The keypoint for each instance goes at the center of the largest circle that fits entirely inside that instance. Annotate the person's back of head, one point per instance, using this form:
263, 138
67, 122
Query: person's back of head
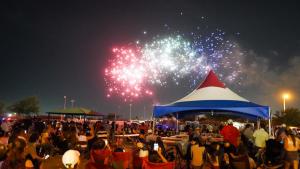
154, 157
263, 126
119, 149
2, 133
248, 126
99, 144
33, 138
197, 141
290, 134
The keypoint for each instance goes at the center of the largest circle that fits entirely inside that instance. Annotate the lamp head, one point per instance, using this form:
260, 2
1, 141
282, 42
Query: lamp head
285, 96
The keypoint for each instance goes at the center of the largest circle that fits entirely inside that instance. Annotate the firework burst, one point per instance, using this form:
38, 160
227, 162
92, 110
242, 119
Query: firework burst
133, 71
126, 74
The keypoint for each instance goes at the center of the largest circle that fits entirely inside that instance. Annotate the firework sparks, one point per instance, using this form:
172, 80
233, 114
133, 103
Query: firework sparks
134, 70
126, 74
170, 57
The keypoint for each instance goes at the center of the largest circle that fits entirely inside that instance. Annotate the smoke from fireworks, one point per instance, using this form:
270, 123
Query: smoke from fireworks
134, 70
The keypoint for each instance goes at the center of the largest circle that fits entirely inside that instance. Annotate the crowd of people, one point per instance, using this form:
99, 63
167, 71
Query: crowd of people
29, 143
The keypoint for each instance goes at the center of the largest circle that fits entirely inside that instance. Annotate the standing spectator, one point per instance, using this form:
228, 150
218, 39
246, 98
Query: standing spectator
291, 146
260, 137
230, 133
248, 132
197, 132
197, 152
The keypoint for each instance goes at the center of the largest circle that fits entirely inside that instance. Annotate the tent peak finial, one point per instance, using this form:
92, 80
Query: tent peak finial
211, 80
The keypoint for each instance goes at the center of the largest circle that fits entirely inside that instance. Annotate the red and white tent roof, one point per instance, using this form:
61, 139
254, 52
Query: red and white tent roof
212, 89
212, 95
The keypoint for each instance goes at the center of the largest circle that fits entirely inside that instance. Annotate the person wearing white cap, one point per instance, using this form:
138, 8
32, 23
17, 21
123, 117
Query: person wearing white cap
71, 159
151, 136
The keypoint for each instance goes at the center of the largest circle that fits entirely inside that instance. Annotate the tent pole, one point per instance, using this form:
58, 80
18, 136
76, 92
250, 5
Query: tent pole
258, 123
153, 123
177, 131
270, 117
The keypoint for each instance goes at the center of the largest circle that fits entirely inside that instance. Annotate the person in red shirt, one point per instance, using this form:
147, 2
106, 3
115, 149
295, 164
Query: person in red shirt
230, 133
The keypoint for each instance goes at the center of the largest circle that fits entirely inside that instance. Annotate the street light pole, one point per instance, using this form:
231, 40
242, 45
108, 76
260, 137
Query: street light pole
144, 112
72, 102
65, 101
283, 104
130, 111
285, 96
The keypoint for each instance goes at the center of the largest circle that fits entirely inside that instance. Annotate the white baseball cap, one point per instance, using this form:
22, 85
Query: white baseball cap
229, 121
70, 158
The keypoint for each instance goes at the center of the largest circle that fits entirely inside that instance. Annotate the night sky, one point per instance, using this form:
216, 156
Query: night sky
52, 49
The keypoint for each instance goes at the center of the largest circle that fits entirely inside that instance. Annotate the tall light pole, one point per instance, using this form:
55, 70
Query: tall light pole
130, 111
144, 112
285, 97
65, 101
72, 102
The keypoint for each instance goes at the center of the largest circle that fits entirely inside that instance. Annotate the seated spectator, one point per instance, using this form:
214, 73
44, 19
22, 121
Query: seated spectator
3, 153
162, 146
157, 156
140, 153
70, 159
121, 159
3, 138
29, 163
30, 149
15, 157
99, 156
82, 140
143, 152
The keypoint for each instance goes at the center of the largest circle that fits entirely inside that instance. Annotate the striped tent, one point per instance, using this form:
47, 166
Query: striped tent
212, 96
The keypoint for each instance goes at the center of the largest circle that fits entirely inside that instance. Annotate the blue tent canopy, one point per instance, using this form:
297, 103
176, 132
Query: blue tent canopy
227, 107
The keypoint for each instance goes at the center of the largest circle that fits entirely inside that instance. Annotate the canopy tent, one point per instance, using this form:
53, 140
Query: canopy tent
212, 96
77, 111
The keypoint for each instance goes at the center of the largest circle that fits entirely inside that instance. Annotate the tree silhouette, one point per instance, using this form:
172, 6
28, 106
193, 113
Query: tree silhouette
2, 107
290, 117
26, 106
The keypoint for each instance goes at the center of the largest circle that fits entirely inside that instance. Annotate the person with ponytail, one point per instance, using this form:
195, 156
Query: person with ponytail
291, 146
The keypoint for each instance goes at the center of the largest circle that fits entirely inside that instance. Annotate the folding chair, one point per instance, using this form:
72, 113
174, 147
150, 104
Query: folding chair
121, 160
